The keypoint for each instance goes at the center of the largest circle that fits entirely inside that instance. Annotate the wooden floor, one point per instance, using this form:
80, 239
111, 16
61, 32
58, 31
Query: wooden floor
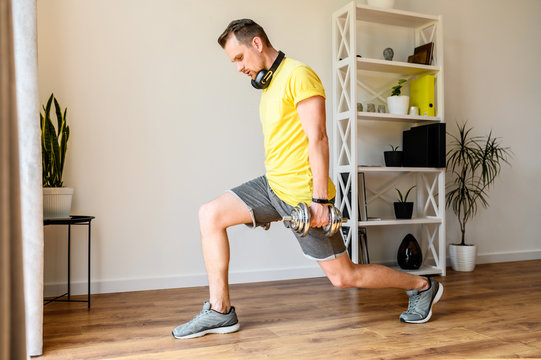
494, 312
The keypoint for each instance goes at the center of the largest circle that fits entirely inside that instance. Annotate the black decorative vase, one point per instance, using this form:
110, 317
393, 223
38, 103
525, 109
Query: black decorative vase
403, 210
409, 254
393, 158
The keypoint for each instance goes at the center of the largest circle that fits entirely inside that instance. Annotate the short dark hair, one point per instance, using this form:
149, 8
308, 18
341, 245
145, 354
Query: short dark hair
244, 30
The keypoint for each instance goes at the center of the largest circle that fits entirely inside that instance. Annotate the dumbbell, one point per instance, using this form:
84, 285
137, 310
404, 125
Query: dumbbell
299, 220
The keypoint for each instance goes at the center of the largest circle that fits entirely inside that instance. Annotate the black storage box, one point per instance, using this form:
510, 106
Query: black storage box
424, 146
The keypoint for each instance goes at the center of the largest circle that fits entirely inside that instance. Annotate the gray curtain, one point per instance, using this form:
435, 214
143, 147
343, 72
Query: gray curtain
12, 306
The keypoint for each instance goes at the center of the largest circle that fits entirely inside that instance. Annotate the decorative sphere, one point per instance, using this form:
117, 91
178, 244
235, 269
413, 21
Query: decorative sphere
388, 54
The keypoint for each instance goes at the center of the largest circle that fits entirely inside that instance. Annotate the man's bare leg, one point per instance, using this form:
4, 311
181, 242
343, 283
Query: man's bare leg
214, 218
217, 315
343, 273
422, 292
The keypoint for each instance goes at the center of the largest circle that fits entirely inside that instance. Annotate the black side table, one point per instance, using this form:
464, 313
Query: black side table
72, 220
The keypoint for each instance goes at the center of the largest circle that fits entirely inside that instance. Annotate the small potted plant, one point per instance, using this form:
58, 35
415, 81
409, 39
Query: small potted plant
402, 208
398, 104
473, 163
394, 157
54, 145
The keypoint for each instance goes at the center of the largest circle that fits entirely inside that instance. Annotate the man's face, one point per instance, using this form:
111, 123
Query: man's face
249, 59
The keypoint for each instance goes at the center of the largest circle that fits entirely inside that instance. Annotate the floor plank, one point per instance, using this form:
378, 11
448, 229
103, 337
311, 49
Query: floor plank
493, 312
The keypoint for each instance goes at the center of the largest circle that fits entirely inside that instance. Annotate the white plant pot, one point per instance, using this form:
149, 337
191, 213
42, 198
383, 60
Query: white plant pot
398, 105
57, 202
383, 4
463, 257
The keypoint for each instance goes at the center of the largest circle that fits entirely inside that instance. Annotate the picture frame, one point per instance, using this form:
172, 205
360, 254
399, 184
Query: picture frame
422, 54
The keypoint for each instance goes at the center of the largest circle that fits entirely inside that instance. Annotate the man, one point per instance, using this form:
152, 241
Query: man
292, 111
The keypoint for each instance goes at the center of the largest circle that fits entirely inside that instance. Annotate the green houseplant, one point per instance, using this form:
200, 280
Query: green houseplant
397, 103
402, 208
395, 91
54, 145
473, 162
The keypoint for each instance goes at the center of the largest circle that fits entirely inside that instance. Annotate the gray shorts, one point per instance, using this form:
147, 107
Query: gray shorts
265, 207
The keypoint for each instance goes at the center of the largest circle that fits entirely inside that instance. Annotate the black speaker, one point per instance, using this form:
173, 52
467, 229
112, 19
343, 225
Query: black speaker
424, 146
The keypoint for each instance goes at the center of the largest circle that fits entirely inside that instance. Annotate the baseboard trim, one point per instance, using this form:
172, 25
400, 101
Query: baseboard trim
181, 281
239, 277
497, 257
487, 258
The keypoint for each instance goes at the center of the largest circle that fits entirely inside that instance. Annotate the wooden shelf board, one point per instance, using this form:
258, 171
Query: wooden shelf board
396, 67
364, 115
423, 270
399, 169
387, 222
393, 17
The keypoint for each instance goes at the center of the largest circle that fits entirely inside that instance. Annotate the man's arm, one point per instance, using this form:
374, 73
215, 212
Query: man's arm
312, 115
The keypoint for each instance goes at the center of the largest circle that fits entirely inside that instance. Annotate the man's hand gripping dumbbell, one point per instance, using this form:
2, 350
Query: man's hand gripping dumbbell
299, 220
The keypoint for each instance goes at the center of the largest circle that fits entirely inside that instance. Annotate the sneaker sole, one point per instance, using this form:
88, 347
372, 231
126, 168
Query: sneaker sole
434, 301
220, 330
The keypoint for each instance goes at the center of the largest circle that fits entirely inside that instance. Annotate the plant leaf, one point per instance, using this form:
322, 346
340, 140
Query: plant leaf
55, 155
48, 107
64, 148
400, 198
406, 197
59, 119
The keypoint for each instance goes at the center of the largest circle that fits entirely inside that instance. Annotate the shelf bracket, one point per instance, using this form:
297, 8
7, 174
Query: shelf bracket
430, 191
343, 27
431, 238
345, 93
343, 142
345, 189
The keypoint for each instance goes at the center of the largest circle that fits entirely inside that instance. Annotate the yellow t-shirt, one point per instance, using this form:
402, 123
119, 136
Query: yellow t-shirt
286, 144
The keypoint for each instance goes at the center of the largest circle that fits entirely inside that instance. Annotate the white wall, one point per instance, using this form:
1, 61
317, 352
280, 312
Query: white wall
161, 122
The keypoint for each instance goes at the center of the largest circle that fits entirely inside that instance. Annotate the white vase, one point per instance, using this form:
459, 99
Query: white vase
383, 4
463, 257
398, 105
57, 202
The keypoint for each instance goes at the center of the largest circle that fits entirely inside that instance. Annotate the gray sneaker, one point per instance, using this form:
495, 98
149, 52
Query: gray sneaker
420, 304
208, 322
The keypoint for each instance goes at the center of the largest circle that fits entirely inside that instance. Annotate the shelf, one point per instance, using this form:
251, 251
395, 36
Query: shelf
396, 67
393, 17
373, 116
368, 79
399, 169
377, 168
364, 115
423, 270
387, 222
389, 66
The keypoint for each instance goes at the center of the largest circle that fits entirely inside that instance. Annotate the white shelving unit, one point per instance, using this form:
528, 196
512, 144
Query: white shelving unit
353, 77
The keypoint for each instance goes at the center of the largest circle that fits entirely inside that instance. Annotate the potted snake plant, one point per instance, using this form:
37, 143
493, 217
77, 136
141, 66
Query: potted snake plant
394, 157
54, 144
473, 163
403, 209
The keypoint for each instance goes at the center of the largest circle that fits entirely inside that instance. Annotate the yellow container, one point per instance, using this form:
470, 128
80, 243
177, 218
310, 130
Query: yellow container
422, 95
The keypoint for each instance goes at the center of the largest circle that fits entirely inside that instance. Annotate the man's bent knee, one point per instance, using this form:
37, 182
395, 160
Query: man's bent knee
340, 281
209, 215
342, 272
223, 212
